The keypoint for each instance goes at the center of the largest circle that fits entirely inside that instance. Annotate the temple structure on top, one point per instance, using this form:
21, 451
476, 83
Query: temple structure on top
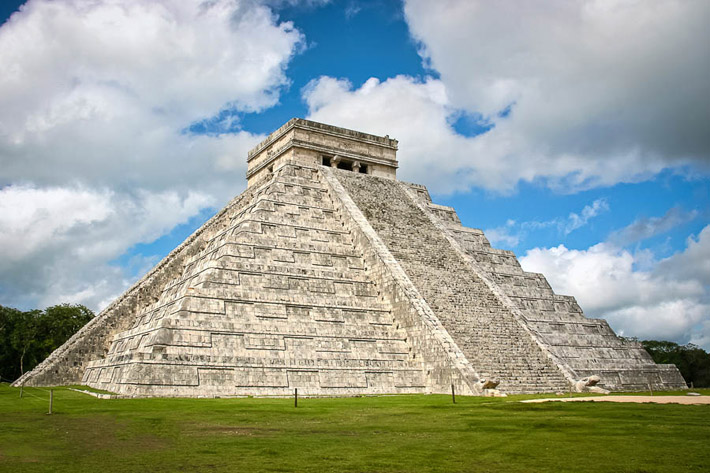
312, 143
329, 275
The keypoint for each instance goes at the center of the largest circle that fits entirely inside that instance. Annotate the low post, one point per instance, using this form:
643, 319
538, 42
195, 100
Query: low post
295, 398
650, 388
453, 393
51, 400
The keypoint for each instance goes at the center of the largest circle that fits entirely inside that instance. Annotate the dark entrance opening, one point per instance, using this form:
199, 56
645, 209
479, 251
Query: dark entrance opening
347, 165
363, 169
326, 161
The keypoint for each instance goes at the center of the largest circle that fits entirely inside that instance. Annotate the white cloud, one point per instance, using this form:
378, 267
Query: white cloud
55, 243
506, 235
694, 262
600, 92
94, 100
668, 300
678, 319
31, 217
100, 91
576, 221
415, 113
513, 232
610, 89
352, 9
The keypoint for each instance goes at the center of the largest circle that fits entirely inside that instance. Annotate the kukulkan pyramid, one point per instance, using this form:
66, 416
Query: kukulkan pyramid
329, 275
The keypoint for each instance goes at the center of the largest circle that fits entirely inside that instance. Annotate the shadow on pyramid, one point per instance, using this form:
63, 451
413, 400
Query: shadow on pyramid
329, 276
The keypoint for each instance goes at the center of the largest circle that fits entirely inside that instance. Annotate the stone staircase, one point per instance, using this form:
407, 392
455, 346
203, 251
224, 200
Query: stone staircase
585, 346
483, 328
278, 299
336, 281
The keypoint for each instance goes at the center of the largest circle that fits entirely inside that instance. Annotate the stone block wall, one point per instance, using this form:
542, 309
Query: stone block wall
280, 298
486, 331
583, 346
67, 364
339, 283
444, 362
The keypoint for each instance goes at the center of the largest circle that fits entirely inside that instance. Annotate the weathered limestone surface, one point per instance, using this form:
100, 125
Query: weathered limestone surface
67, 364
490, 337
330, 276
278, 299
444, 361
583, 347
309, 143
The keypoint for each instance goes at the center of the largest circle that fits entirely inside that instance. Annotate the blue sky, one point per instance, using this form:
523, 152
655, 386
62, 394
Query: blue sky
589, 162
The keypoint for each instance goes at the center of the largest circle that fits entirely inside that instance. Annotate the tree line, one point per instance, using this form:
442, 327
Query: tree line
28, 337
692, 361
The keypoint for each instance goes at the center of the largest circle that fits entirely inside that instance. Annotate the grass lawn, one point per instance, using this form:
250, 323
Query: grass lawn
383, 434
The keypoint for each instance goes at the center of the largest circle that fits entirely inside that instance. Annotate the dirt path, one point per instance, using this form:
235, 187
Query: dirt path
636, 399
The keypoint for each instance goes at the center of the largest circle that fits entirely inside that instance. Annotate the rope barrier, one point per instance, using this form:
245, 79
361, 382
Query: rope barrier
31, 391
27, 393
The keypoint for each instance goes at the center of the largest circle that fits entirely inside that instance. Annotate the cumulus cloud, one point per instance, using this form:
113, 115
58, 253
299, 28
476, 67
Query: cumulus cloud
31, 217
694, 262
55, 242
576, 94
100, 91
610, 90
96, 103
667, 300
416, 113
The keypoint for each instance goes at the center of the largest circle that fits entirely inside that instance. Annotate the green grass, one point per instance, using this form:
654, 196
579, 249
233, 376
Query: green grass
383, 434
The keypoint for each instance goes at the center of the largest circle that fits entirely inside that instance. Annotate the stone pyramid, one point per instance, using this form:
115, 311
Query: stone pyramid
330, 276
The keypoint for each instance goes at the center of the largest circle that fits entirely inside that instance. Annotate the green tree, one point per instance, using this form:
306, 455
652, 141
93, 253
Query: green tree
23, 338
26, 338
692, 361
58, 323
9, 317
